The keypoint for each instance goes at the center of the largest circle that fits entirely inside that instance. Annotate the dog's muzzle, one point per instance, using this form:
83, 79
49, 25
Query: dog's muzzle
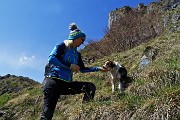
104, 67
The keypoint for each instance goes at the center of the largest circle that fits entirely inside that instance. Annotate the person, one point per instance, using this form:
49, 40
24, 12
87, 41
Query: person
66, 60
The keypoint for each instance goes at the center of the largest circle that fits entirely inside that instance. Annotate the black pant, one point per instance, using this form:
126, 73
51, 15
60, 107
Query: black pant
53, 88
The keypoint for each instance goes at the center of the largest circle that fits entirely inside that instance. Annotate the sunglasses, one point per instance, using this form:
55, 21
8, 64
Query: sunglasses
83, 39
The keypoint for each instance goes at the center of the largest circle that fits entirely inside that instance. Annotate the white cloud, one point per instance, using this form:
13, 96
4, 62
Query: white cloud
20, 61
22, 65
30, 62
25, 60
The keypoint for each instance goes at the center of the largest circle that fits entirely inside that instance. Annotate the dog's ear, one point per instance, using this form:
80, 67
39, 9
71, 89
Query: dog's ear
112, 64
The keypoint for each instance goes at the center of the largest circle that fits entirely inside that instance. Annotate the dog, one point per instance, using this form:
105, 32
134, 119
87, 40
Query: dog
118, 75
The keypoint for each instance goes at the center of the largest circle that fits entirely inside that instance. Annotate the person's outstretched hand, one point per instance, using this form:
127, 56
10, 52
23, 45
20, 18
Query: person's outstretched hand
102, 69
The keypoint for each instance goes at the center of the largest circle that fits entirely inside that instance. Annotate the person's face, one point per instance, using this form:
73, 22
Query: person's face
78, 41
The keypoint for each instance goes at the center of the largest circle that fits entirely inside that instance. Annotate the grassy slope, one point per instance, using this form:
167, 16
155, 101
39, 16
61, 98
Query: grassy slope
151, 95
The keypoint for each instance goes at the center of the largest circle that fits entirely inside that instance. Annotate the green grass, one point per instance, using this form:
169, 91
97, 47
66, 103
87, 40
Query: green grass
150, 94
35, 91
4, 99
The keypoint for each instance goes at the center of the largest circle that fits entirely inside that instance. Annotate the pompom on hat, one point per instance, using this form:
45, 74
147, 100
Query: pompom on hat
75, 32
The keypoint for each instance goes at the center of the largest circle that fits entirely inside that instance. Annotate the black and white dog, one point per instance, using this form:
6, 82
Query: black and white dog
118, 74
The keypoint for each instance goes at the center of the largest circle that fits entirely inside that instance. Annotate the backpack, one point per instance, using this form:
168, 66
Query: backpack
49, 66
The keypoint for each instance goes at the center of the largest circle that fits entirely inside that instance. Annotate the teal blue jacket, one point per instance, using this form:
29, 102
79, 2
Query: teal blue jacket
61, 59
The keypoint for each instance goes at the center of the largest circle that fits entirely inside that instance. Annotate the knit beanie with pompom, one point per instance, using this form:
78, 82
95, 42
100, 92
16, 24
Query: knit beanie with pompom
75, 32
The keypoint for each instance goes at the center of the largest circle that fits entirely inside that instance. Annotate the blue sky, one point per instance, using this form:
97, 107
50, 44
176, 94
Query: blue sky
29, 29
